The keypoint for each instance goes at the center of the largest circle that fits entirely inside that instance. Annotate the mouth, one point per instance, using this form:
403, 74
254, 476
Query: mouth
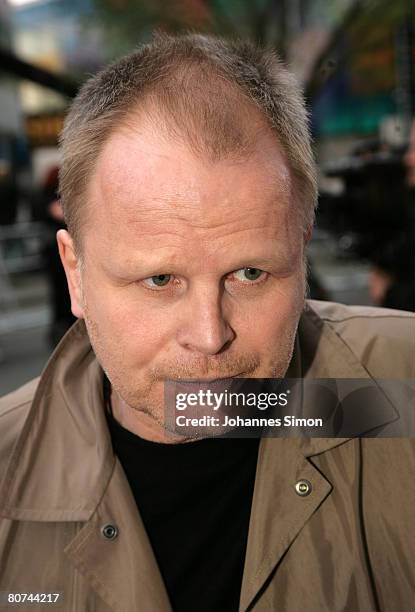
212, 380
221, 378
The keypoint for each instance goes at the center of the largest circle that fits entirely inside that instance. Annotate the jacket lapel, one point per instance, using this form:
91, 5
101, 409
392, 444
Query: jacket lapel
123, 571
65, 450
278, 513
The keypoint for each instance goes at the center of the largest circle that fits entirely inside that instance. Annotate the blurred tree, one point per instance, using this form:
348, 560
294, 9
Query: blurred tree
359, 32
370, 27
129, 22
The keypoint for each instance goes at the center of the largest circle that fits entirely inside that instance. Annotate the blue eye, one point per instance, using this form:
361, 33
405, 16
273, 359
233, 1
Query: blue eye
160, 280
249, 274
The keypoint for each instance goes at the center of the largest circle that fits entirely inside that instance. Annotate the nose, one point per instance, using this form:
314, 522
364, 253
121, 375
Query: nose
204, 327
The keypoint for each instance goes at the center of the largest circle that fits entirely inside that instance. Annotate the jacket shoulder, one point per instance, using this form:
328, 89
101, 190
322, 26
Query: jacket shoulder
14, 409
382, 339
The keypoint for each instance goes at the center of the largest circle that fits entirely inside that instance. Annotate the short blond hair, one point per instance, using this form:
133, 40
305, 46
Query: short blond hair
206, 88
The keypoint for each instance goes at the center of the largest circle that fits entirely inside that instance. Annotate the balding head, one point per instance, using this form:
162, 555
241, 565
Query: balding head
217, 97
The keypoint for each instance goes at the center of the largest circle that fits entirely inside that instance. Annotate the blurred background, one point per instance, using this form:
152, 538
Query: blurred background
356, 62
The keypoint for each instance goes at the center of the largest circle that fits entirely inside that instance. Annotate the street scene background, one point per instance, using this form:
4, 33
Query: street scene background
355, 61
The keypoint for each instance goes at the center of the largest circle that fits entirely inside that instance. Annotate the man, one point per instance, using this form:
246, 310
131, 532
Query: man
188, 187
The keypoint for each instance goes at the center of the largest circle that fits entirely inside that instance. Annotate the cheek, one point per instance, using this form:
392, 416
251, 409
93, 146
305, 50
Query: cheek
135, 331
278, 314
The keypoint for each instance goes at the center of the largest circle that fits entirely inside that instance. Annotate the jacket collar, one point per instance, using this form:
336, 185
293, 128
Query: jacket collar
322, 354
65, 450
63, 459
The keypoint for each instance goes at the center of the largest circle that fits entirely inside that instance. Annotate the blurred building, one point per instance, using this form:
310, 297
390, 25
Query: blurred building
60, 36
12, 157
364, 87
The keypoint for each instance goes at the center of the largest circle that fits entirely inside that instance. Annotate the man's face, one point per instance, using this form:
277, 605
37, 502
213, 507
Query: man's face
191, 269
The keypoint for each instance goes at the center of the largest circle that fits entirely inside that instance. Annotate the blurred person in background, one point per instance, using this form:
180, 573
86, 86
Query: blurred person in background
189, 188
392, 277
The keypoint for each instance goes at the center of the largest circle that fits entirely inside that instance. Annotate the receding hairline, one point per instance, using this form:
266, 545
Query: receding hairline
126, 206
150, 113
225, 76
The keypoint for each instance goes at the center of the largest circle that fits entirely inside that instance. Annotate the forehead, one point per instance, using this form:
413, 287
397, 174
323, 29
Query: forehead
146, 186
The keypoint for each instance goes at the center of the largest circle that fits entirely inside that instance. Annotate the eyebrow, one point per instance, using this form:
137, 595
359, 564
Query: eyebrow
265, 261
166, 265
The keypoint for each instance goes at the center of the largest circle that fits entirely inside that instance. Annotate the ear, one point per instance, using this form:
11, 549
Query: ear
70, 263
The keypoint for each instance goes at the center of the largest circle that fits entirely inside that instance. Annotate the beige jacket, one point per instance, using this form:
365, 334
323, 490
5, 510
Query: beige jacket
347, 546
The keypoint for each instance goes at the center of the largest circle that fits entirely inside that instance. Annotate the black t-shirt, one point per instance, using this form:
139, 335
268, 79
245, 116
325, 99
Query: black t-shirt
195, 501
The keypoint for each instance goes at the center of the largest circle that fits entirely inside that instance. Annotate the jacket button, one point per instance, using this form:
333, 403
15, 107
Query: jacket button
109, 532
303, 488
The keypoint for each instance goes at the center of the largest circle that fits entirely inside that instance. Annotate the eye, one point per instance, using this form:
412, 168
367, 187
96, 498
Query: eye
160, 280
248, 274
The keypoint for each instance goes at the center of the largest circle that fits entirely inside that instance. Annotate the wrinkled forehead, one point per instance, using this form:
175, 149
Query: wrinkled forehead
145, 182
